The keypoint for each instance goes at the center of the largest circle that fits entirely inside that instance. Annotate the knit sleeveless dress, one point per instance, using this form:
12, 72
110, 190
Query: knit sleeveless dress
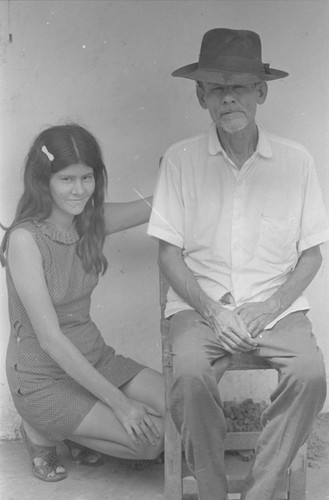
43, 394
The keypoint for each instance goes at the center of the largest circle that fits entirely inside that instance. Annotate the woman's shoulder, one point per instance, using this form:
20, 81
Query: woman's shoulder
22, 241
43, 228
27, 225
23, 230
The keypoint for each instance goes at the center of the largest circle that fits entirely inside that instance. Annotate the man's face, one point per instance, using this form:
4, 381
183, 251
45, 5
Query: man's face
232, 107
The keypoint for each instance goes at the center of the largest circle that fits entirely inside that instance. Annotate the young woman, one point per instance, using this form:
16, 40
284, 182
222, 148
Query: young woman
66, 383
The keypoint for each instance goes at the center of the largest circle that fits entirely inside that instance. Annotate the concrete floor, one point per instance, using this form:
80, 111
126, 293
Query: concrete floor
116, 480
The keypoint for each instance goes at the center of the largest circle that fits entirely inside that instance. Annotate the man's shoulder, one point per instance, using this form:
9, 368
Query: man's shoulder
189, 144
277, 141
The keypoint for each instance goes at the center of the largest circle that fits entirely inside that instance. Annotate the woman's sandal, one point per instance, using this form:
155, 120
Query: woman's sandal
82, 455
48, 469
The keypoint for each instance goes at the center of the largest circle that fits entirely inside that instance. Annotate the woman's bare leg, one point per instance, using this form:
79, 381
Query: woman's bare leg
37, 437
101, 430
38, 443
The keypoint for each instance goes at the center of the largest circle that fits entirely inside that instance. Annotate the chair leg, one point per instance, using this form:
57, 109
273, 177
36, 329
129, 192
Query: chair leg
173, 484
297, 479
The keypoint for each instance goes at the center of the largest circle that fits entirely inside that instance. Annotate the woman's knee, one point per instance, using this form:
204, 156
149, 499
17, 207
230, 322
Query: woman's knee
150, 452
148, 388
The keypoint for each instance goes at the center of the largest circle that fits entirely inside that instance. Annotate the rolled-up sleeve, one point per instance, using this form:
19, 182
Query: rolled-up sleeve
314, 229
167, 217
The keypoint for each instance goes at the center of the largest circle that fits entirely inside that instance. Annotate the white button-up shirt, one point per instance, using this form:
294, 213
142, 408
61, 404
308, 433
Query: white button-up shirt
241, 230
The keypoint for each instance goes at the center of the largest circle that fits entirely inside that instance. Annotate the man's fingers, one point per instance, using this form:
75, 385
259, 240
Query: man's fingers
256, 328
243, 327
233, 343
246, 333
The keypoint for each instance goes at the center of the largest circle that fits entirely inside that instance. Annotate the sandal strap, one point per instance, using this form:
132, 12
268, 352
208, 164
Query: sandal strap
84, 453
48, 453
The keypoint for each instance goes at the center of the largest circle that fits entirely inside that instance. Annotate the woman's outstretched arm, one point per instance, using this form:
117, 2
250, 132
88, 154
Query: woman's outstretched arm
120, 216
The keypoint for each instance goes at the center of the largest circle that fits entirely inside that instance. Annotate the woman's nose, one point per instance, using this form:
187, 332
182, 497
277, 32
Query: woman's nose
78, 187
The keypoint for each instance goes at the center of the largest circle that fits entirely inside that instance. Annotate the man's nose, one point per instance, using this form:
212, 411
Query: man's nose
228, 96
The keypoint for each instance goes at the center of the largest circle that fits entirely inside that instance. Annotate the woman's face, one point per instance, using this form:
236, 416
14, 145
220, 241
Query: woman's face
71, 189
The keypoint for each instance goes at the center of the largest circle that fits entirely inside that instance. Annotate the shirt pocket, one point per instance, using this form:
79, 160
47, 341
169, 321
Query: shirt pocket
278, 241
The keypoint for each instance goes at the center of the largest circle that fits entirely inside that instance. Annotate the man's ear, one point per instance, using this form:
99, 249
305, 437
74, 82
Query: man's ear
200, 94
262, 92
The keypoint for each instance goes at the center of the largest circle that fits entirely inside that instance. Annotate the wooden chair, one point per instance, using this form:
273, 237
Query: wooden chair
293, 486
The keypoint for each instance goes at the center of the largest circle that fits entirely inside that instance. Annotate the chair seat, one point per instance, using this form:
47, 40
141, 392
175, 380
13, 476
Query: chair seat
247, 361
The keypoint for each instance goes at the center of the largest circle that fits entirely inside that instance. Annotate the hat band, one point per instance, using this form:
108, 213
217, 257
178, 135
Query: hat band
232, 63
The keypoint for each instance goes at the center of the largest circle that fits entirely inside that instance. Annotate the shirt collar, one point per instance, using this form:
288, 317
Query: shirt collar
263, 145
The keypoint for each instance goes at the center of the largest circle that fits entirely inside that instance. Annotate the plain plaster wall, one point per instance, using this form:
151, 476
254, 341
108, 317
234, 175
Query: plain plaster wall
107, 65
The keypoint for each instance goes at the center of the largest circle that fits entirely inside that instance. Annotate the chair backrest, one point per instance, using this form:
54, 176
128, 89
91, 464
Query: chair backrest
164, 287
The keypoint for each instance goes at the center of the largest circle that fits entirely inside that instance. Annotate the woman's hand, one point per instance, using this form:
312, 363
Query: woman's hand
135, 418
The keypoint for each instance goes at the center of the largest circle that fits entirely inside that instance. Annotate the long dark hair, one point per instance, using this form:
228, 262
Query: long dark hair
68, 145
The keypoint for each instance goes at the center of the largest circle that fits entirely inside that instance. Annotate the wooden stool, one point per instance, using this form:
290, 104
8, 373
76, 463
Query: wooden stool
293, 486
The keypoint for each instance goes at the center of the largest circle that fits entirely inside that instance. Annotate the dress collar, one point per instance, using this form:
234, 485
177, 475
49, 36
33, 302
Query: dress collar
67, 237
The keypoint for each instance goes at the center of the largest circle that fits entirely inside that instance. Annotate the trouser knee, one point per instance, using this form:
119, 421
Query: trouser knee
190, 372
308, 376
193, 382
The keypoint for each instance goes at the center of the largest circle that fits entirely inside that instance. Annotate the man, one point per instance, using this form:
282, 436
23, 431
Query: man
239, 216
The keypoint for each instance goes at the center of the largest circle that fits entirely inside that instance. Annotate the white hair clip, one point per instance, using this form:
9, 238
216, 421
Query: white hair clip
46, 152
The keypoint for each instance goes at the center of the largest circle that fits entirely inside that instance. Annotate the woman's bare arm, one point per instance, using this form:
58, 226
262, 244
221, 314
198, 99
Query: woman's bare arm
121, 216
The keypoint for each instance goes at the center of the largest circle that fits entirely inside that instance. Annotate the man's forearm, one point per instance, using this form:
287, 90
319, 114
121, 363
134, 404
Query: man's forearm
182, 280
304, 272
231, 332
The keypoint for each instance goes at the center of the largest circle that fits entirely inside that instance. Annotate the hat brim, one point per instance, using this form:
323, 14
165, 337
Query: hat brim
224, 77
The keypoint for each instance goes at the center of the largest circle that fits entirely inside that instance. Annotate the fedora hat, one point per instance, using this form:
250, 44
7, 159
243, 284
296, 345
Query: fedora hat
230, 57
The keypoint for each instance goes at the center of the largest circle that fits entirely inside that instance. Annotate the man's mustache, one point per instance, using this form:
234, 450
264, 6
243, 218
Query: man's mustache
232, 110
